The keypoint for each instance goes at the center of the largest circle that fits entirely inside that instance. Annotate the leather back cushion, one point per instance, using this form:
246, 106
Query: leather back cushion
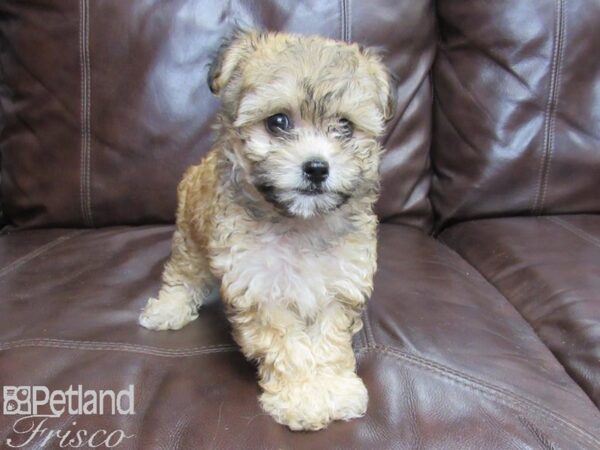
517, 109
106, 101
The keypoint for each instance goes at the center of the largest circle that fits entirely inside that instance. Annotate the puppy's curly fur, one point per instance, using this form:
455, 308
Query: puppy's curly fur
295, 259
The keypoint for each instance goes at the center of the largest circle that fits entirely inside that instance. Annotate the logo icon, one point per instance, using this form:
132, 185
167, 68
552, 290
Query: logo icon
17, 400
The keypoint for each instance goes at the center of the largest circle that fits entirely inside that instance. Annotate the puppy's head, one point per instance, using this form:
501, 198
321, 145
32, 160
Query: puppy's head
303, 115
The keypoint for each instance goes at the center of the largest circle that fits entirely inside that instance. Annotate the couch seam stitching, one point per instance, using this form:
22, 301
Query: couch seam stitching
110, 343
89, 117
345, 25
369, 338
348, 20
342, 31
574, 229
37, 252
115, 346
515, 400
561, 49
84, 191
81, 112
166, 354
550, 110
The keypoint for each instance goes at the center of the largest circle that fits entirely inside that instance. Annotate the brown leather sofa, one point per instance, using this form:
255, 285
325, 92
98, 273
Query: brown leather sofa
484, 328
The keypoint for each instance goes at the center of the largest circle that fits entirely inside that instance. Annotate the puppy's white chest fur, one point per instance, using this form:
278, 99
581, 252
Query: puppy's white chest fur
303, 268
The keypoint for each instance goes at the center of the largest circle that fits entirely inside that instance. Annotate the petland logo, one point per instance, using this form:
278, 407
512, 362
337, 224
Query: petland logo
37, 406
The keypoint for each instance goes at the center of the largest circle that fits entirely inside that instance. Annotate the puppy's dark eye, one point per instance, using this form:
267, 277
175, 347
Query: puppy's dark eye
346, 127
278, 123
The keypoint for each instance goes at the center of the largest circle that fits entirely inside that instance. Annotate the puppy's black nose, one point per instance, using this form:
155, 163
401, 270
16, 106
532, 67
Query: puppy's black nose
316, 170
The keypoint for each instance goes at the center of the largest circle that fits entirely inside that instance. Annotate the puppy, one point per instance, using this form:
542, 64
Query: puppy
280, 213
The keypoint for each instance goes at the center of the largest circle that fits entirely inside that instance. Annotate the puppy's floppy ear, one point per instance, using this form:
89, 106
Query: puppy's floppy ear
386, 82
234, 49
392, 97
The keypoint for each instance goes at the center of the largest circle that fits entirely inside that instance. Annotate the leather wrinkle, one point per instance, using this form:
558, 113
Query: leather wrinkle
538, 434
492, 57
40, 80
400, 114
466, 90
456, 129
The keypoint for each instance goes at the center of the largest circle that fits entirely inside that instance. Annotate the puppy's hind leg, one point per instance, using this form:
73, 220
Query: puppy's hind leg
186, 282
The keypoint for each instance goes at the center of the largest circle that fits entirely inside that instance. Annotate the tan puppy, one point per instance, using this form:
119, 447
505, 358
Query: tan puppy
281, 213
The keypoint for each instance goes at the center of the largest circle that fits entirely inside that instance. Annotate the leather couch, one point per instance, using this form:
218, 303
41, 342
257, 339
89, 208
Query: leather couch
484, 328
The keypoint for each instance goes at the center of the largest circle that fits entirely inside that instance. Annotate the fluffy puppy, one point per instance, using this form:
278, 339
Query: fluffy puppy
280, 212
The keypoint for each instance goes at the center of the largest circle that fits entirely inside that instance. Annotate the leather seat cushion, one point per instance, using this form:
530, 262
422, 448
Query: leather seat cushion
448, 362
549, 269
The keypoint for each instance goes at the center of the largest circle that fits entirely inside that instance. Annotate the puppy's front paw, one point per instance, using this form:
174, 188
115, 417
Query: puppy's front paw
299, 406
350, 397
312, 405
165, 314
